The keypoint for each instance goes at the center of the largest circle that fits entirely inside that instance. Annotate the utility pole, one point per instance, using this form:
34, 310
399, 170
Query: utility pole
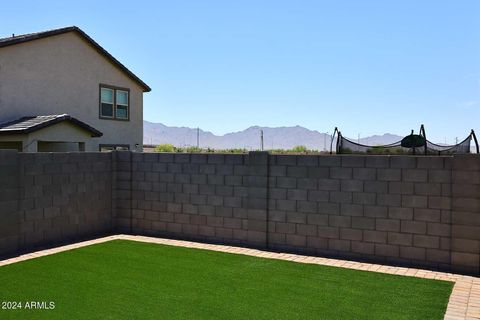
261, 139
456, 140
198, 138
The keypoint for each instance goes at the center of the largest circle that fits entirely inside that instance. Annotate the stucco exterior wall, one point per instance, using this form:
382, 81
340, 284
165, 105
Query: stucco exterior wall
62, 74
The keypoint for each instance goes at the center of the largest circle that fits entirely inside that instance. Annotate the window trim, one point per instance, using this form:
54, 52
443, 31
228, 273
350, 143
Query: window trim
114, 88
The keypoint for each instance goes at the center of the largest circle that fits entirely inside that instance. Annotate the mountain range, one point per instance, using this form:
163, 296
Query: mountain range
274, 138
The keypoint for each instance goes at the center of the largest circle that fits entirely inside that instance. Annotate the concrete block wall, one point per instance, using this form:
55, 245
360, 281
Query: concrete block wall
49, 198
465, 219
9, 202
212, 197
402, 210
122, 191
386, 209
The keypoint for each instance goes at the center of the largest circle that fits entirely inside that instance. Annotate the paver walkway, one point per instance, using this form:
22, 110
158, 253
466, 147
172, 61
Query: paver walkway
464, 301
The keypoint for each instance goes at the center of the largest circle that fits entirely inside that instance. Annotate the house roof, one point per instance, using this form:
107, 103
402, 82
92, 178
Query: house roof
4, 42
26, 125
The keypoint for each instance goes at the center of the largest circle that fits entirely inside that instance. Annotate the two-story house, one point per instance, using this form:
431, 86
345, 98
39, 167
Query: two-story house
61, 91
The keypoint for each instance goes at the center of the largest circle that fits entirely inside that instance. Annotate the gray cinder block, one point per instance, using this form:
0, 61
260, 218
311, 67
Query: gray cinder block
198, 158
307, 160
440, 176
295, 194
465, 259
375, 236
363, 247
466, 218
328, 208
296, 217
389, 174
387, 225
364, 198
430, 215
403, 162
341, 197
341, 173
328, 232
296, 240
351, 209
317, 242
466, 162
366, 174
352, 185
285, 160
387, 250
414, 175
353, 161
328, 185
340, 221
277, 193
377, 162
286, 205
465, 190
390, 200
329, 161
351, 234
465, 245
317, 219
297, 172
400, 213
425, 241
319, 196
206, 169
466, 232
465, 177
375, 211
413, 253
307, 206
409, 201
339, 245
402, 239
395, 187
307, 183
278, 171
363, 223
287, 228
417, 227
440, 256
430, 162
318, 172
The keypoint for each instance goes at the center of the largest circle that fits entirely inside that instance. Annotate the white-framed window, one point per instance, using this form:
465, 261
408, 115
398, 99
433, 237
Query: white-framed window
114, 103
122, 104
106, 102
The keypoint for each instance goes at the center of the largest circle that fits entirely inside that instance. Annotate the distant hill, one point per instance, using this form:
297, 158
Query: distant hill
274, 138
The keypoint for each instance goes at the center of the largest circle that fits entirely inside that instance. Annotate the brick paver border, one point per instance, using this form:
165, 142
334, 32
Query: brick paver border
464, 302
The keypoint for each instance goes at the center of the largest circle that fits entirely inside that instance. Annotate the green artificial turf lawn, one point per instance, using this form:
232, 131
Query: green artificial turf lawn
132, 280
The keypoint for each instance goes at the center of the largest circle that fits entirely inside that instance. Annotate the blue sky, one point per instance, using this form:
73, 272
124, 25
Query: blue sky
365, 66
